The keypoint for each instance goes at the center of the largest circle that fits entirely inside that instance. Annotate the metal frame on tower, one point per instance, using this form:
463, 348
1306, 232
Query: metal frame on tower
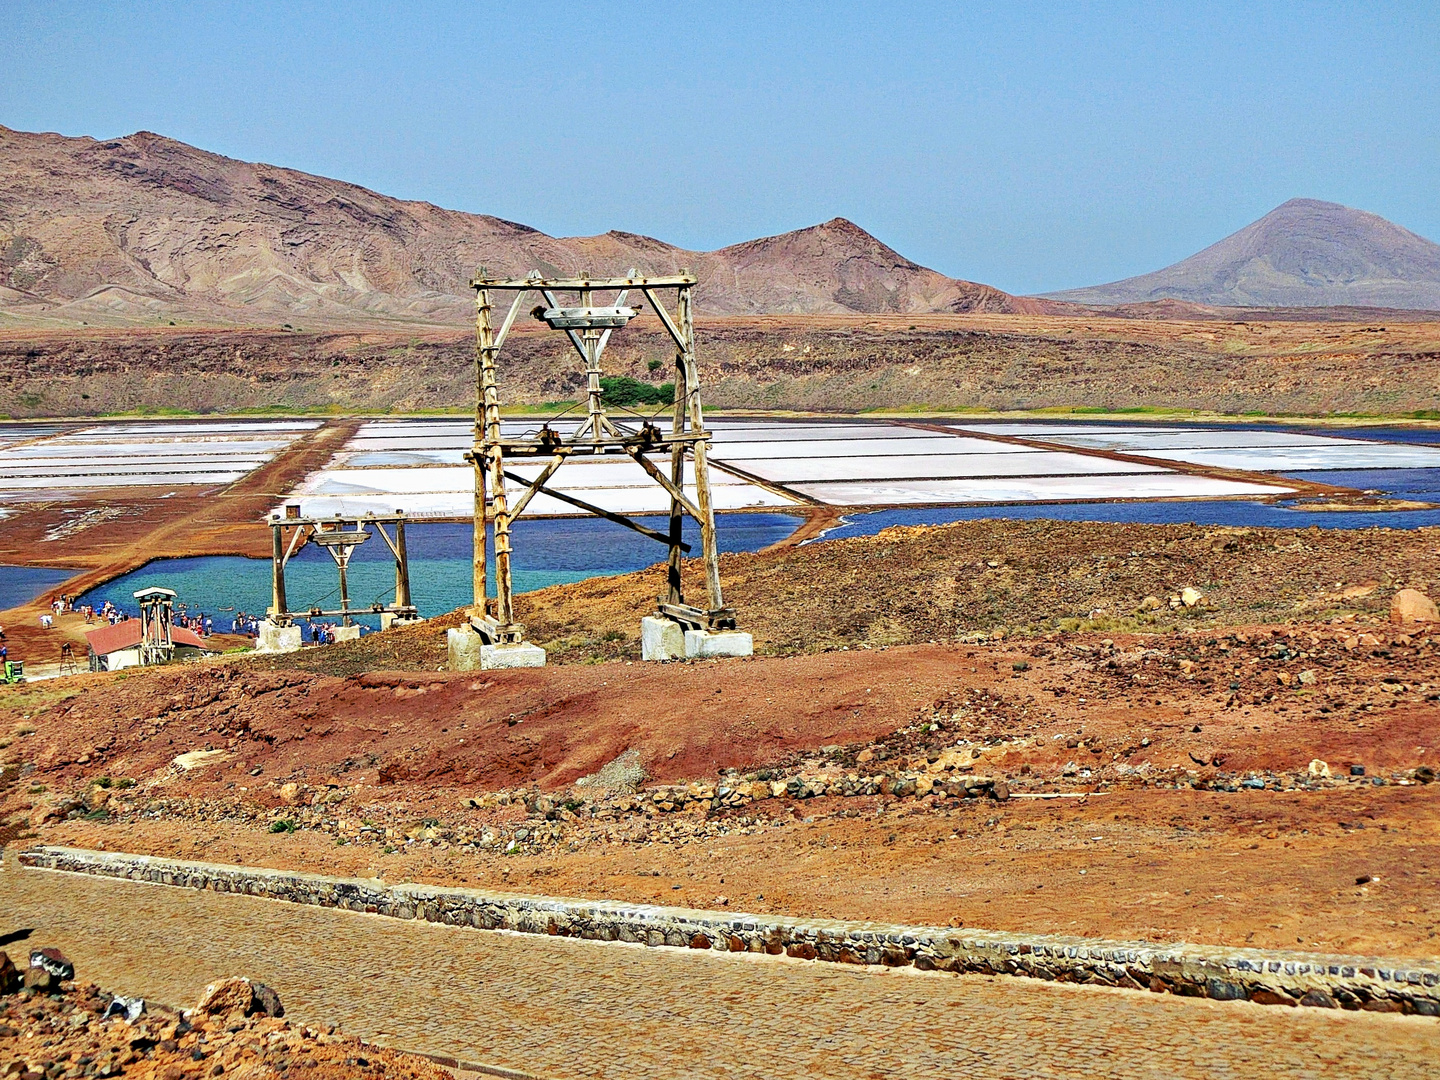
588, 327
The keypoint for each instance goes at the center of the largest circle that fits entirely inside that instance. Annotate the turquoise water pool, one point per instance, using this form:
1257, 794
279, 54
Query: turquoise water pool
547, 552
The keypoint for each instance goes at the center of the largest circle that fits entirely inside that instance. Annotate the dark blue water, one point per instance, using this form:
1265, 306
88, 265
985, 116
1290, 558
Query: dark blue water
1422, 485
1419, 484
21, 584
546, 552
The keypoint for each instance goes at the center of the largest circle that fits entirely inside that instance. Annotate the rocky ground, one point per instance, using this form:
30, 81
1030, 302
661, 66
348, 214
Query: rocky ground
1057, 748
1371, 364
52, 1028
995, 579
1147, 733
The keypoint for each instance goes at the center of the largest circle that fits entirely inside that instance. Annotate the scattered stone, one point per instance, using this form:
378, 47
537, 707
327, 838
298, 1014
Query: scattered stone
9, 975
1190, 596
1412, 606
227, 997
47, 1037
1151, 603
267, 1000
1319, 770
38, 979
624, 775
197, 759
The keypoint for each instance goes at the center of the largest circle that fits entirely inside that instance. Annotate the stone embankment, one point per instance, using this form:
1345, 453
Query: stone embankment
1264, 977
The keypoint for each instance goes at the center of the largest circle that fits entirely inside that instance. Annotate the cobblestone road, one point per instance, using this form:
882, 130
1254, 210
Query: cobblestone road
561, 1009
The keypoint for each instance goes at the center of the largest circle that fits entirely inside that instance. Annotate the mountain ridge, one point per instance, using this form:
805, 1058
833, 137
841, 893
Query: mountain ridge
145, 228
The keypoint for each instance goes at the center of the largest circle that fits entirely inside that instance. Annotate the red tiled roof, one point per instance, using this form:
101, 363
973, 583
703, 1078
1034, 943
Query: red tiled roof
126, 635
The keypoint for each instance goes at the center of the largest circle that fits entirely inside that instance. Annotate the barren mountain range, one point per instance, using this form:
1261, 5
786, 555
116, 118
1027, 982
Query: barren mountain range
146, 231
144, 228
1304, 253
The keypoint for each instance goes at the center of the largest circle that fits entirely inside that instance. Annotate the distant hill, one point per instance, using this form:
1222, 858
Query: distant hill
144, 228
1305, 253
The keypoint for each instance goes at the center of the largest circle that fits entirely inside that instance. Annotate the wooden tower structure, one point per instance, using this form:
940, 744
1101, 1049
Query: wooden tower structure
157, 611
662, 454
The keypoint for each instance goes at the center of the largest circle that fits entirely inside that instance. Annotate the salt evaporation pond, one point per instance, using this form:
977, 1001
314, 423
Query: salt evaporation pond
547, 552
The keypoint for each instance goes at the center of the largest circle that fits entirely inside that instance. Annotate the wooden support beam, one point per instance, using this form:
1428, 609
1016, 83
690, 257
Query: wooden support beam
669, 322
278, 603
676, 492
509, 322
685, 311
294, 542
671, 281
600, 511
588, 447
538, 484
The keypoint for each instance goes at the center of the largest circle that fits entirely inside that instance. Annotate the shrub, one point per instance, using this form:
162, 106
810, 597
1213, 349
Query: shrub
623, 390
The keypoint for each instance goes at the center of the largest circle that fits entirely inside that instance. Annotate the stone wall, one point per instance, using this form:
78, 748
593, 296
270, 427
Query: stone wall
1264, 977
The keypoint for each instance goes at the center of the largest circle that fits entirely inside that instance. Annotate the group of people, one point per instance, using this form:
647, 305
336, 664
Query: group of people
108, 613
323, 633
249, 625
197, 623
317, 633
57, 607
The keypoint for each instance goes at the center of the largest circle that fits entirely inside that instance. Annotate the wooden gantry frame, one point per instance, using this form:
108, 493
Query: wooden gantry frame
588, 327
339, 536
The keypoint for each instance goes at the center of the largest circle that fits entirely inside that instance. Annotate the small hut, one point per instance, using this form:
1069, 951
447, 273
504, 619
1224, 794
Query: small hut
119, 646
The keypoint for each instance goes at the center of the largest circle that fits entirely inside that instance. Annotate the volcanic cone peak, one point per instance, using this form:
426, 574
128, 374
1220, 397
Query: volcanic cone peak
1304, 253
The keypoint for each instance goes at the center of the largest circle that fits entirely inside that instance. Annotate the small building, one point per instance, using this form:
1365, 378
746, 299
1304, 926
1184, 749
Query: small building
118, 646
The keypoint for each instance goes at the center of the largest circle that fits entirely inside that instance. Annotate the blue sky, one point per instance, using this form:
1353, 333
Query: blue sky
1030, 146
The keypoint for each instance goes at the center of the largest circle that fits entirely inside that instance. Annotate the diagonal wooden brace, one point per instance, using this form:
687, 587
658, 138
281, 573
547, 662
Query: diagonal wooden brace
665, 482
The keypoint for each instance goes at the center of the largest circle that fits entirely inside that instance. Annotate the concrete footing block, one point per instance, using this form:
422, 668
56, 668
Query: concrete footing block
704, 644
469, 652
661, 639
521, 654
464, 645
277, 639
347, 633
388, 620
